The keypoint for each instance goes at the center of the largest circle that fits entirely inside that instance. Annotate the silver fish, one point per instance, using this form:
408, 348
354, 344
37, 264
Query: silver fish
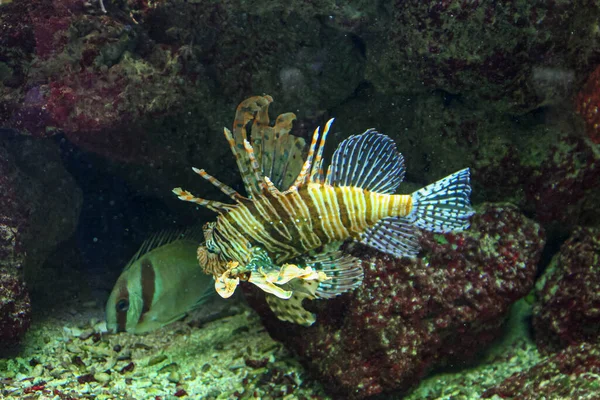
160, 285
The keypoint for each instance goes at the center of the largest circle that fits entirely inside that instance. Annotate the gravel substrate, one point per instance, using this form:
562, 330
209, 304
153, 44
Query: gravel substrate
71, 356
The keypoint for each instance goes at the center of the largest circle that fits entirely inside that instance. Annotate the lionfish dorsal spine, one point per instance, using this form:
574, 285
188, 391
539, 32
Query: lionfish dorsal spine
212, 205
316, 171
312, 167
258, 176
228, 191
245, 170
301, 179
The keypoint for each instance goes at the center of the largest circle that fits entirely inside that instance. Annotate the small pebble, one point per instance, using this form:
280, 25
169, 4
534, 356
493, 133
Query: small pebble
143, 346
101, 327
102, 377
86, 334
124, 355
174, 377
156, 359
75, 331
169, 368
110, 363
73, 348
38, 370
100, 351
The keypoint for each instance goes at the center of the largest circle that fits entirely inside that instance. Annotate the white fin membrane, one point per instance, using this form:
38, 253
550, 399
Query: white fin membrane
443, 206
344, 271
395, 236
369, 161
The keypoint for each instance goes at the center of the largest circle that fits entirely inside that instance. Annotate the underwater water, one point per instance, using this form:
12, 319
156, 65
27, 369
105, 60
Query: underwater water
443, 242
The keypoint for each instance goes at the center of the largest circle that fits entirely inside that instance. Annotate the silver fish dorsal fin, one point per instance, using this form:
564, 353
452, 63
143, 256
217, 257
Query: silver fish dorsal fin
162, 238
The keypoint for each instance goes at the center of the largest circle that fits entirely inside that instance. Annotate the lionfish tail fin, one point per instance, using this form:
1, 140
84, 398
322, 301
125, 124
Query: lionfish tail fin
443, 206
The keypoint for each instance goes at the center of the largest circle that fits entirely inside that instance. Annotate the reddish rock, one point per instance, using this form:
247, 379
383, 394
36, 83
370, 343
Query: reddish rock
567, 310
587, 104
39, 209
569, 374
412, 316
75, 70
15, 310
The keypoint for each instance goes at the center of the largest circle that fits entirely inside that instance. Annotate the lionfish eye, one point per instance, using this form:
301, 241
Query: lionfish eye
122, 305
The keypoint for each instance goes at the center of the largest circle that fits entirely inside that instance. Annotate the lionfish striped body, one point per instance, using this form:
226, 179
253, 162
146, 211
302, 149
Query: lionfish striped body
304, 221
297, 221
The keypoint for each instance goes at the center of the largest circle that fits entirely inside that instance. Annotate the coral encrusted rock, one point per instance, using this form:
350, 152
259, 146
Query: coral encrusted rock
15, 309
412, 316
567, 310
569, 374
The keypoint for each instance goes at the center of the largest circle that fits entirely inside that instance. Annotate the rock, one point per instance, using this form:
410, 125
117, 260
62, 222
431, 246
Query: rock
412, 316
488, 52
102, 377
53, 199
569, 374
567, 308
15, 309
542, 162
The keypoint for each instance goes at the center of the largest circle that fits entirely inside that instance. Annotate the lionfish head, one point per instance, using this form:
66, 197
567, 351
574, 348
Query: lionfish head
209, 255
211, 262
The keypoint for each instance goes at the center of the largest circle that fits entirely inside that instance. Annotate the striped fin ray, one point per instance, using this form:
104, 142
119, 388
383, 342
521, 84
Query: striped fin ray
316, 172
278, 153
306, 167
255, 168
344, 271
369, 161
215, 206
247, 111
443, 206
220, 185
395, 236
243, 164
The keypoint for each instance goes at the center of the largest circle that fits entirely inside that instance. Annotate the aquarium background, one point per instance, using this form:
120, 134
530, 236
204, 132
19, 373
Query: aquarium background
106, 105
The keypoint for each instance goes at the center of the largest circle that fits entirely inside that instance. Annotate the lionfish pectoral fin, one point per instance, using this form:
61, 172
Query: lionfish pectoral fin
443, 206
263, 282
394, 235
343, 271
291, 310
292, 271
369, 161
272, 281
226, 286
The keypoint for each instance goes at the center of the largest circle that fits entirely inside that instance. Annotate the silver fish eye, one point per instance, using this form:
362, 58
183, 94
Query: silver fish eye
122, 305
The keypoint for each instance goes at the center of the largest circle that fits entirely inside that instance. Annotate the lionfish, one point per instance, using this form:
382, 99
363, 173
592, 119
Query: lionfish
285, 236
